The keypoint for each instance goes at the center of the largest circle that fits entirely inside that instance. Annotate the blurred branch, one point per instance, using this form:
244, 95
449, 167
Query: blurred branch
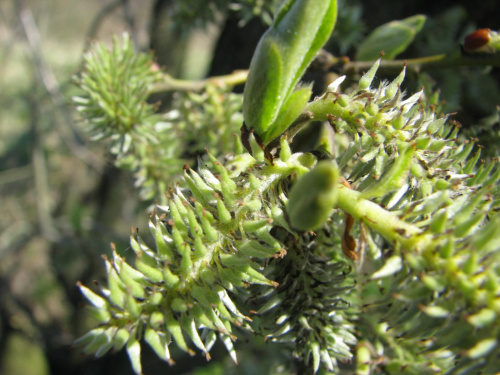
97, 21
453, 60
49, 82
15, 236
15, 174
105, 11
42, 190
130, 21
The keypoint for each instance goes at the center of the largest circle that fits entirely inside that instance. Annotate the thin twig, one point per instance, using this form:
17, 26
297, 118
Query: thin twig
173, 84
15, 174
97, 21
456, 59
344, 66
49, 82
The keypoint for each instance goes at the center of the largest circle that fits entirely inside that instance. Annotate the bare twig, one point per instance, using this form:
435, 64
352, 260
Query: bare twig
456, 59
172, 84
49, 82
15, 174
97, 21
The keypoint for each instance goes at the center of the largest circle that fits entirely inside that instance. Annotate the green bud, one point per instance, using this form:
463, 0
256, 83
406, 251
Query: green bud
393, 87
189, 326
232, 275
101, 315
224, 214
483, 318
482, 348
254, 205
423, 142
326, 141
366, 80
313, 197
200, 249
395, 176
177, 218
398, 122
253, 248
343, 100
254, 181
441, 184
436, 125
438, 221
435, 311
194, 227
94, 299
153, 273
100, 344
116, 287
163, 247
257, 151
178, 304
372, 109
134, 354
133, 307
253, 225
171, 279
206, 218
156, 298
156, 343
175, 329
285, 151
437, 145
121, 338
133, 286
200, 190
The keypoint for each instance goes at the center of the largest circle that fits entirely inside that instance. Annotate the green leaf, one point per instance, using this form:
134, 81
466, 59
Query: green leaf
291, 110
284, 52
392, 38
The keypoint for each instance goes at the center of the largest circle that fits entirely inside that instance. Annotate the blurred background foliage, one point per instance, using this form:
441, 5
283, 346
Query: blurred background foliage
61, 197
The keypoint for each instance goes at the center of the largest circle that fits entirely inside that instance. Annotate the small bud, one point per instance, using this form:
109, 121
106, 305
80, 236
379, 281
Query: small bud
224, 214
175, 329
313, 197
121, 338
366, 80
477, 41
285, 151
155, 342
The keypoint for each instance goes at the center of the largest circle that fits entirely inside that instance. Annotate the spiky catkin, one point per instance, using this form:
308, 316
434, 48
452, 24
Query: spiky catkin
435, 257
207, 244
152, 146
424, 211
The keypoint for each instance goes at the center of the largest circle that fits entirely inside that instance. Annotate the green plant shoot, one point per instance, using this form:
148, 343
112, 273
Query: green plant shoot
271, 102
312, 198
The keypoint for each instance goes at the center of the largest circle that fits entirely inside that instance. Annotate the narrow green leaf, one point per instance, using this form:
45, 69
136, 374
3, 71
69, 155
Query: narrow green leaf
392, 38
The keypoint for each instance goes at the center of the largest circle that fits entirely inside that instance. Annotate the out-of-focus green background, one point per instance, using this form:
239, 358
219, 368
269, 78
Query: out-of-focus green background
61, 200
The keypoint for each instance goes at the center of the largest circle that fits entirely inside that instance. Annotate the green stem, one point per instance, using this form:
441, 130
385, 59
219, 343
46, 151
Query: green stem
455, 59
384, 222
173, 84
350, 68
320, 110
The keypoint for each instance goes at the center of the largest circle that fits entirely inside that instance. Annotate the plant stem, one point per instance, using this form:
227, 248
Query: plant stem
173, 84
382, 221
454, 59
